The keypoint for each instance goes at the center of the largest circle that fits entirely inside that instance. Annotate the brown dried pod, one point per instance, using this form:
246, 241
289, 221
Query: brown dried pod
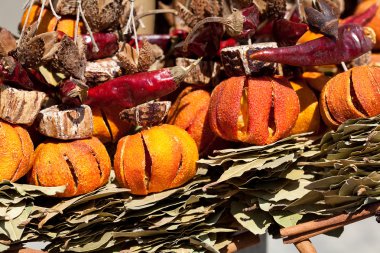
205, 73
102, 14
154, 160
32, 49
146, 115
351, 94
16, 152
82, 166
133, 62
102, 70
186, 15
253, 110
65, 123
67, 57
7, 42
128, 58
206, 8
20, 106
65, 7
323, 18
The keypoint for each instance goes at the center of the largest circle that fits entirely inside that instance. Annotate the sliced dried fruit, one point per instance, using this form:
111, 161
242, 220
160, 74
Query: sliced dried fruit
65, 122
155, 160
253, 110
81, 165
16, 152
20, 106
351, 94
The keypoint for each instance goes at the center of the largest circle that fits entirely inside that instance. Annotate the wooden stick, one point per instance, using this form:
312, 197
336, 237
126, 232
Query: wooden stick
305, 247
307, 235
341, 220
241, 241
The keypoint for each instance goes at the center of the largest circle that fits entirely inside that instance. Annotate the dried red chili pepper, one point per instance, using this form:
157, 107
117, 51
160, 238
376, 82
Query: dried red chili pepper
362, 18
240, 24
12, 72
353, 41
130, 90
205, 42
230, 42
108, 44
287, 33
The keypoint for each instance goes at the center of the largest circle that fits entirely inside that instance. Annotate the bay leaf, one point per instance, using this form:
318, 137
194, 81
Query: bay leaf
257, 221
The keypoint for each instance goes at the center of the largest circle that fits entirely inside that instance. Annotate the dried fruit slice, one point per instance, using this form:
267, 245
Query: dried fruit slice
65, 123
20, 106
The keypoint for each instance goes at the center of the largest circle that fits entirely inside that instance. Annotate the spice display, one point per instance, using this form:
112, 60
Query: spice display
216, 123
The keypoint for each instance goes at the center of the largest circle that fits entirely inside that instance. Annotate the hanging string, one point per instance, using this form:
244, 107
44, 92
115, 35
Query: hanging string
53, 11
41, 12
76, 28
31, 3
131, 26
80, 13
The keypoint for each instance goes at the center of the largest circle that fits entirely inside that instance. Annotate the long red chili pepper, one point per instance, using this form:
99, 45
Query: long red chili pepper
362, 18
130, 90
353, 41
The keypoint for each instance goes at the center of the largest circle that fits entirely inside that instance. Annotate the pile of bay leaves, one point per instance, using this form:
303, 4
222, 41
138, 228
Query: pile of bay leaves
250, 188
184, 219
346, 170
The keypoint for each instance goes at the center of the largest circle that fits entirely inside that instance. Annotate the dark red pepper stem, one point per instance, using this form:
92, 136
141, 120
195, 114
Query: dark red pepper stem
131, 90
240, 24
364, 17
354, 41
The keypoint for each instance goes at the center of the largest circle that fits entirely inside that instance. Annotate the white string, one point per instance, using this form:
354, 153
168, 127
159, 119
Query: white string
31, 3
131, 20
26, 4
53, 11
95, 48
344, 66
41, 12
76, 28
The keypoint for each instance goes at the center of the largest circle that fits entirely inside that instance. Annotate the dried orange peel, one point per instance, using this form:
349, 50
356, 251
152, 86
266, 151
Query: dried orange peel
154, 160
253, 110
